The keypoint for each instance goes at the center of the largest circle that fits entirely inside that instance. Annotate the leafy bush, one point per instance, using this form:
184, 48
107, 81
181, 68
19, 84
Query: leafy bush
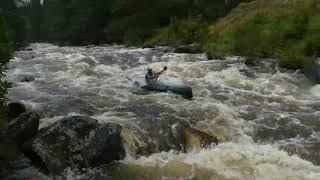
6, 48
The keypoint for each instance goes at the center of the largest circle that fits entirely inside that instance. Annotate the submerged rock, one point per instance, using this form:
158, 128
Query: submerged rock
190, 49
79, 142
87, 60
23, 128
170, 170
211, 56
15, 109
26, 78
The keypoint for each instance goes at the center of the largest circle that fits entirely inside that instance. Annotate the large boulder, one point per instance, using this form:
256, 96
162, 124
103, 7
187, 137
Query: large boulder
190, 49
15, 109
23, 128
79, 142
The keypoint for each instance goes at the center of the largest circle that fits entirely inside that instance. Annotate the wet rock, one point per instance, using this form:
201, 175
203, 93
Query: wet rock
248, 72
26, 78
28, 150
137, 142
87, 60
190, 49
312, 71
147, 46
172, 170
211, 56
94, 174
165, 49
191, 138
23, 128
79, 142
8, 151
251, 61
196, 139
15, 109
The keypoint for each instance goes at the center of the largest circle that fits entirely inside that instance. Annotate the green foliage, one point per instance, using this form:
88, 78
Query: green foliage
186, 31
125, 21
290, 34
6, 43
17, 23
6, 48
74, 21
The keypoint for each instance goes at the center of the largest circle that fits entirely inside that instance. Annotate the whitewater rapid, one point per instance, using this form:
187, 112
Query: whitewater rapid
267, 118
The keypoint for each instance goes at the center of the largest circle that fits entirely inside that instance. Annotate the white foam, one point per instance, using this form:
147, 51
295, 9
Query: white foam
222, 94
315, 90
239, 161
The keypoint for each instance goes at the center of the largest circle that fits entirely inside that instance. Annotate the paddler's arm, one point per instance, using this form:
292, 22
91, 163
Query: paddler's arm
159, 73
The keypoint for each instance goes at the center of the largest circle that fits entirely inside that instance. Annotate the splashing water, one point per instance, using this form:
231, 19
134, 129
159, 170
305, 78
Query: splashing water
268, 120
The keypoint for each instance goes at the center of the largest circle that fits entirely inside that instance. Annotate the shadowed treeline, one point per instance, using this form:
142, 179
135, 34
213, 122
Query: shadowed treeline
123, 21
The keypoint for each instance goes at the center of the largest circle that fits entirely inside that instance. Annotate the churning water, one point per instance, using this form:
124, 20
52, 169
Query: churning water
268, 119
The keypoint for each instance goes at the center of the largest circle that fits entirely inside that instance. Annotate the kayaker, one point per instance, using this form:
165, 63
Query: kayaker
150, 75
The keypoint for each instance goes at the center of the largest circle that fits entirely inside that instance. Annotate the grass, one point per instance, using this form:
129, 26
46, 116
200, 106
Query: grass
180, 32
286, 30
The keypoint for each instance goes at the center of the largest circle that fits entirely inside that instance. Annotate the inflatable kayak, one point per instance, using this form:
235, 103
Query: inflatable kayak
157, 85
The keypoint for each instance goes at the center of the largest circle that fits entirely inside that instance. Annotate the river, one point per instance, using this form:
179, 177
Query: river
268, 119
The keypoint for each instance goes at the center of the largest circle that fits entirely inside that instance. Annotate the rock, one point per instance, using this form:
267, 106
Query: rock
248, 72
28, 151
15, 109
147, 46
164, 49
312, 71
79, 142
23, 128
95, 174
215, 56
8, 151
26, 78
137, 142
191, 138
196, 139
172, 169
190, 49
251, 61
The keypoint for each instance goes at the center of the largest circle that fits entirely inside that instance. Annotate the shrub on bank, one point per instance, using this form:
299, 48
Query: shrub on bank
180, 32
6, 48
289, 31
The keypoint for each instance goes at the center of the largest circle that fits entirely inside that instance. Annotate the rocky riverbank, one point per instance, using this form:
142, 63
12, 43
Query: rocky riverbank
76, 143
